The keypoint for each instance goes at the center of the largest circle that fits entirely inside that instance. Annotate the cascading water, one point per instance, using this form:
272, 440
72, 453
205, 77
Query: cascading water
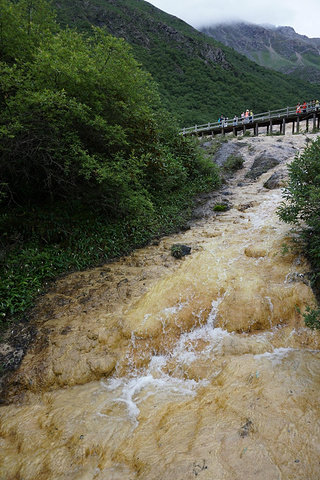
161, 369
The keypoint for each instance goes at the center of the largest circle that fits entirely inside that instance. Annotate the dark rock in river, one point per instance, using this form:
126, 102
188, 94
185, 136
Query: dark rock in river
179, 251
262, 164
275, 181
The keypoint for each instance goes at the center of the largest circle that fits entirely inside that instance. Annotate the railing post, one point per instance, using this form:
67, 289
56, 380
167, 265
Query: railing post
287, 111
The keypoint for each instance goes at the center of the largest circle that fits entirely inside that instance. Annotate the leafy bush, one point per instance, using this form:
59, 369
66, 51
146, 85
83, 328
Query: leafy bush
301, 206
312, 317
233, 162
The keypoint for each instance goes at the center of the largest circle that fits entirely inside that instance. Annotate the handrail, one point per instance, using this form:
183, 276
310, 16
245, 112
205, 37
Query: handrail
264, 116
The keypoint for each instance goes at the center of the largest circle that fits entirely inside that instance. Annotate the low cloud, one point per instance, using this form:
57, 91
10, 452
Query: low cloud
302, 16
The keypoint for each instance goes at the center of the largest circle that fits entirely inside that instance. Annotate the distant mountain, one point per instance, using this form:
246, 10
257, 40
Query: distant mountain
199, 79
277, 48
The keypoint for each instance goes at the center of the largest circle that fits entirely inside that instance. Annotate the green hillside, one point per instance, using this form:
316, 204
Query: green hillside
198, 78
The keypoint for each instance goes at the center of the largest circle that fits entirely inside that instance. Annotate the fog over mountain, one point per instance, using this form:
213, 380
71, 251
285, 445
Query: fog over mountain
302, 16
278, 48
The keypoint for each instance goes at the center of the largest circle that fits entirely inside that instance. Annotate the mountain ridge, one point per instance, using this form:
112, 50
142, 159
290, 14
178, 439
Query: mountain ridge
278, 48
199, 78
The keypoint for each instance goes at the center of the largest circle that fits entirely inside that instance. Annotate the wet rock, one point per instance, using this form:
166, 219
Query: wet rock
15, 343
262, 164
178, 250
256, 250
244, 206
226, 150
102, 365
246, 428
199, 466
275, 181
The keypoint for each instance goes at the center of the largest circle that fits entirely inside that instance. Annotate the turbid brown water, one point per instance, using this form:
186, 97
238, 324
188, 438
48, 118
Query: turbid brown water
154, 368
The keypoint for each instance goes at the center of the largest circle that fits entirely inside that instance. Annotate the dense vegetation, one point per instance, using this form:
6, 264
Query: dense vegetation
301, 207
90, 166
199, 79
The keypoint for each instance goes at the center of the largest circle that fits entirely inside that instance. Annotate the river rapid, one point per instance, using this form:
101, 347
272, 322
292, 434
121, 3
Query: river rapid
154, 368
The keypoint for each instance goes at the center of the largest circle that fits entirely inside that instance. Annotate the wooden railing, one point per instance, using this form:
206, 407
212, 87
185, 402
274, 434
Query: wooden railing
262, 117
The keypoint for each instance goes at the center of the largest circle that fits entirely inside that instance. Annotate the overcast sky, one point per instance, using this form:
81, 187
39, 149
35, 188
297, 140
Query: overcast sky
302, 15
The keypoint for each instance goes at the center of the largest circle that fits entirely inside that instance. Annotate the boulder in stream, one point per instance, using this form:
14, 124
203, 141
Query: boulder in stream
262, 164
178, 250
275, 181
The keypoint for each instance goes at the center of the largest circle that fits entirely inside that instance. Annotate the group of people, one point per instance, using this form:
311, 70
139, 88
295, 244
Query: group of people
246, 117
304, 107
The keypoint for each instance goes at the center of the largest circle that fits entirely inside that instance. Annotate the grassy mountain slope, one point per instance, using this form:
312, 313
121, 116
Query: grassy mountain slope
199, 79
281, 48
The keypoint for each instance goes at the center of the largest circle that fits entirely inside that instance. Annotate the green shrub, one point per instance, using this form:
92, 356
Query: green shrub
220, 208
301, 207
233, 163
312, 317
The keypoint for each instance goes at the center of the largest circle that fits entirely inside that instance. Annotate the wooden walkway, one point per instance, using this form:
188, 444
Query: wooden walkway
267, 120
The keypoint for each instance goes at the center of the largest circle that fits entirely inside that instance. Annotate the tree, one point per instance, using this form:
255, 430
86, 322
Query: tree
23, 26
302, 198
301, 207
81, 120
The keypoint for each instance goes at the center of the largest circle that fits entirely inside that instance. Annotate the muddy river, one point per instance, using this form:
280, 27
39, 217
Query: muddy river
157, 368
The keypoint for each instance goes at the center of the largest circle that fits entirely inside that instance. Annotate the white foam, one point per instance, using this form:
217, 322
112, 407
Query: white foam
129, 390
153, 380
276, 356
264, 211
